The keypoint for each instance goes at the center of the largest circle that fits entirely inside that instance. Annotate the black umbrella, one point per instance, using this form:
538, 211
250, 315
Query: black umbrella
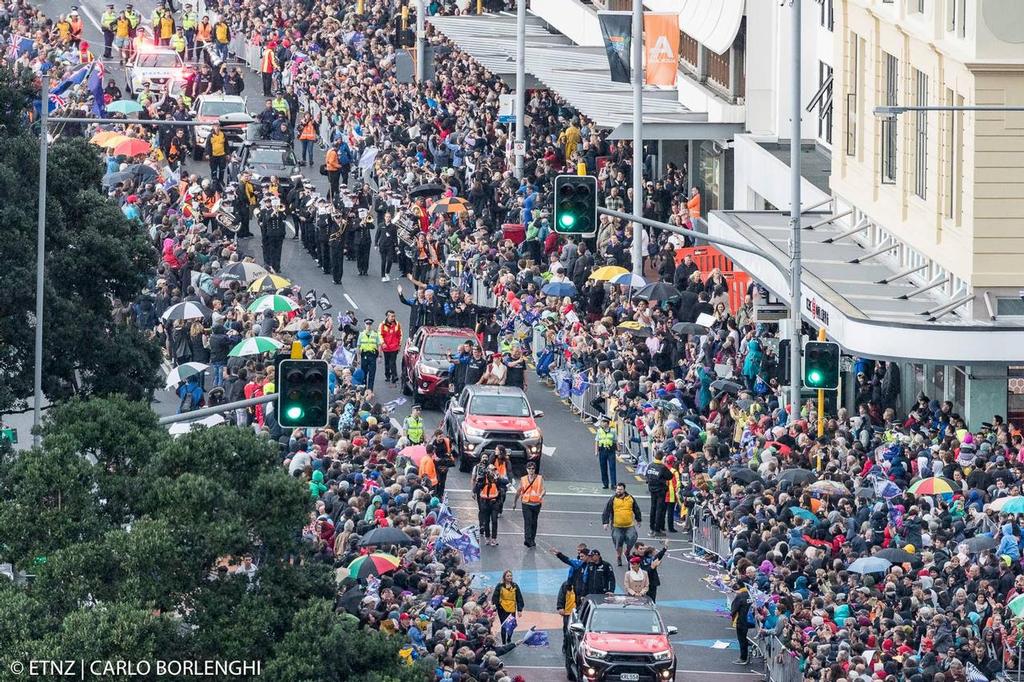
744, 474
726, 386
111, 179
689, 328
979, 543
658, 291
141, 172
351, 599
428, 190
797, 475
897, 555
383, 537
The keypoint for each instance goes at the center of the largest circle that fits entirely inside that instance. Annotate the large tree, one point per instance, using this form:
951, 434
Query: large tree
122, 527
93, 256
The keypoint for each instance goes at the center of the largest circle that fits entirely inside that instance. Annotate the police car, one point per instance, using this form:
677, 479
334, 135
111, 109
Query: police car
155, 66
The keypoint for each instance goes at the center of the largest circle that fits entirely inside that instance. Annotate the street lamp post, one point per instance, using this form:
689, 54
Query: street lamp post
520, 146
794, 220
44, 122
638, 134
421, 37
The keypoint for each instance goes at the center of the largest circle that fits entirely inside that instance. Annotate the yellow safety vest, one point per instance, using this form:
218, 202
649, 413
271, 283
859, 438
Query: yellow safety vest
622, 511
218, 144
123, 27
221, 31
189, 20
414, 430
369, 341
178, 43
605, 439
133, 18
280, 104
107, 21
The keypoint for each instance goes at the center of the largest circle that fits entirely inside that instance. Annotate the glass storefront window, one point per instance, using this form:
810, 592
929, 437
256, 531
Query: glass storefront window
939, 382
959, 388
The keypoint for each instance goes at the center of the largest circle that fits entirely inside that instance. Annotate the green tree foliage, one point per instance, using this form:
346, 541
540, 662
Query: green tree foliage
93, 255
123, 530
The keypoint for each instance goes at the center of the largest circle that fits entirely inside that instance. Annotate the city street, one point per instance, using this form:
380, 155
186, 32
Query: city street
572, 509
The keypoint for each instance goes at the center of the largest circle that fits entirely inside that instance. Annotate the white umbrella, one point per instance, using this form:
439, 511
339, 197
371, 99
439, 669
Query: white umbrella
183, 371
180, 428
186, 310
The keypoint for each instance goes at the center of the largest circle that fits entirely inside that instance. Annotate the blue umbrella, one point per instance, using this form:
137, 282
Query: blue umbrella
803, 513
559, 289
869, 564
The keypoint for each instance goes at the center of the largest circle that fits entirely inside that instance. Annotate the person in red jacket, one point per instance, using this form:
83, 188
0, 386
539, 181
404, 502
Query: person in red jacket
391, 335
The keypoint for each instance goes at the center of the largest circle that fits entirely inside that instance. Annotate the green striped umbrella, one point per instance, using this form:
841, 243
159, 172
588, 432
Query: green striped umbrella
254, 345
279, 304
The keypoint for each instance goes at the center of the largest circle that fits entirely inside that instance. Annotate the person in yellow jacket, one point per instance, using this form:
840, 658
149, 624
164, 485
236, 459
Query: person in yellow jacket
166, 28
221, 38
622, 513
63, 29
672, 501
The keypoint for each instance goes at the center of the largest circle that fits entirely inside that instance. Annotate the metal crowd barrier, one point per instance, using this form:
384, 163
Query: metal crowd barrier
483, 295
780, 665
707, 535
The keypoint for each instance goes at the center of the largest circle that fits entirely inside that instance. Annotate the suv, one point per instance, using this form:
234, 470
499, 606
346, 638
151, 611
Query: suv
157, 66
483, 417
209, 109
425, 360
265, 158
617, 637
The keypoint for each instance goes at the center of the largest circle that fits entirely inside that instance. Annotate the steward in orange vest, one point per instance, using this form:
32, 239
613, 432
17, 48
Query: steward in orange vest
531, 492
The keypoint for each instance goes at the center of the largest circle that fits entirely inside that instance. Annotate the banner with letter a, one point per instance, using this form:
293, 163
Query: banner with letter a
661, 48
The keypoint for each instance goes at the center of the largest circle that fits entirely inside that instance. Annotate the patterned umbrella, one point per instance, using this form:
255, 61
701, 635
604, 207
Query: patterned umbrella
254, 345
183, 372
269, 283
828, 487
449, 205
1013, 504
186, 310
279, 304
376, 564
629, 279
606, 272
241, 272
933, 485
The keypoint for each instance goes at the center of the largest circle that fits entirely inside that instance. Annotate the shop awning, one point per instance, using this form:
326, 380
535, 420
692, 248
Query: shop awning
859, 298
689, 130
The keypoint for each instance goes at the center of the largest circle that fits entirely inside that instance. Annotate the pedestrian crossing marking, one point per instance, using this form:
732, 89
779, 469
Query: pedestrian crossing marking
639, 478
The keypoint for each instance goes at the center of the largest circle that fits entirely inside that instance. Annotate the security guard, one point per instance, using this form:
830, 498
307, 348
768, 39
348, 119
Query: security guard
203, 35
76, 26
179, 44
531, 492
369, 348
604, 448
189, 22
413, 425
108, 22
268, 65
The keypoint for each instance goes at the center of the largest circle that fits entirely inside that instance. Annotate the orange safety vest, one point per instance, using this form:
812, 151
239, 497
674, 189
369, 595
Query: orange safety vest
693, 206
267, 65
428, 470
331, 160
308, 132
501, 468
489, 492
203, 32
531, 493
76, 27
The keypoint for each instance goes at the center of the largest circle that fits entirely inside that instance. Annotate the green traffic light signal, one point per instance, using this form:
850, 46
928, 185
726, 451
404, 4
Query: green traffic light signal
302, 394
575, 205
821, 365
566, 220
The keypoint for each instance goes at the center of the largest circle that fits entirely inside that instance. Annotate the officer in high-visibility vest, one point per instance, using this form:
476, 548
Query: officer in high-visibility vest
268, 65
133, 18
604, 448
413, 426
154, 23
178, 43
531, 493
369, 348
108, 22
76, 26
189, 22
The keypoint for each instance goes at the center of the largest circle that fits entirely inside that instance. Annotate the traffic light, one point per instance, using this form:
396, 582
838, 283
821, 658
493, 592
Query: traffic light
821, 365
783, 363
302, 393
576, 205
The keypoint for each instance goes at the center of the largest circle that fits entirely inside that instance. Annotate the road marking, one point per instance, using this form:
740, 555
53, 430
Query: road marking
549, 451
678, 671
543, 509
88, 15
604, 494
351, 302
519, 533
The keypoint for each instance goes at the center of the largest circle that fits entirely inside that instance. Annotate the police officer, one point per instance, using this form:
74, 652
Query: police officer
369, 348
413, 426
273, 227
108, 22
604, 448
179, 44
189, 22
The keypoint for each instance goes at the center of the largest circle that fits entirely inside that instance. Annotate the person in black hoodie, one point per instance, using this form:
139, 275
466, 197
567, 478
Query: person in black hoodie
220, 345
738, 610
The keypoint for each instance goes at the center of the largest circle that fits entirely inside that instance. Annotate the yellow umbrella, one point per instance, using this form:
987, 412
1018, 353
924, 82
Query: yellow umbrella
112, 142
102, 136
269, 283
606, 272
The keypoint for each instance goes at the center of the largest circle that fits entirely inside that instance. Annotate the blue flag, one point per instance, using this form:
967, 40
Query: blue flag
508, 626
75, 78
22, 44
96, 89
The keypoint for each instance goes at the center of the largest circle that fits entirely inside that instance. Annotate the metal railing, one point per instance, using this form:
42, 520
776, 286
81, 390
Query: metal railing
707, 535
780, 665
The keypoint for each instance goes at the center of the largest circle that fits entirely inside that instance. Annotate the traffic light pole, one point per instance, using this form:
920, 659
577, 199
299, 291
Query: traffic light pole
520, 88
795, 299
216, 409
638, 135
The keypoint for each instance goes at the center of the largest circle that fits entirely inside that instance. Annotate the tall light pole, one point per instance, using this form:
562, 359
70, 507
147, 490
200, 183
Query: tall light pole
37, 390
795, 375
421, 37
638, 134
520, 146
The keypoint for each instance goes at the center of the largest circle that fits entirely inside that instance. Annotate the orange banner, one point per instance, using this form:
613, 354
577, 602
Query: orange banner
661, 48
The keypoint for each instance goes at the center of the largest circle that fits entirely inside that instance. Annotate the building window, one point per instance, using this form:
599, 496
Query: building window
889, 125
827, 18
919, 6
921, 136
956, 17
1006, 306
853, 82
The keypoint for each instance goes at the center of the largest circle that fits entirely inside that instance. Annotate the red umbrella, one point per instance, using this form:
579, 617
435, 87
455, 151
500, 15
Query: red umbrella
132, 147
414, 453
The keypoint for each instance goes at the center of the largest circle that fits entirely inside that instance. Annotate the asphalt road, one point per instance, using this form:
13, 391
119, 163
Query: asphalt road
571, 511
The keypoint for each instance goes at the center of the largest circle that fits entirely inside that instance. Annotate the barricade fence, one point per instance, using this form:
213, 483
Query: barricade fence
780, 665
707, 535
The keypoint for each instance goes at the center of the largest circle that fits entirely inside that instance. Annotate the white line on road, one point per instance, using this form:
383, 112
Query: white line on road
648, 541
550, 494
88, 15
549, 451
559, 667
351, 302
545, 510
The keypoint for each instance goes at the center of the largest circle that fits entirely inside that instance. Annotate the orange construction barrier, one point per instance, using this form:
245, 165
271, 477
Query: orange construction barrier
708, 258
